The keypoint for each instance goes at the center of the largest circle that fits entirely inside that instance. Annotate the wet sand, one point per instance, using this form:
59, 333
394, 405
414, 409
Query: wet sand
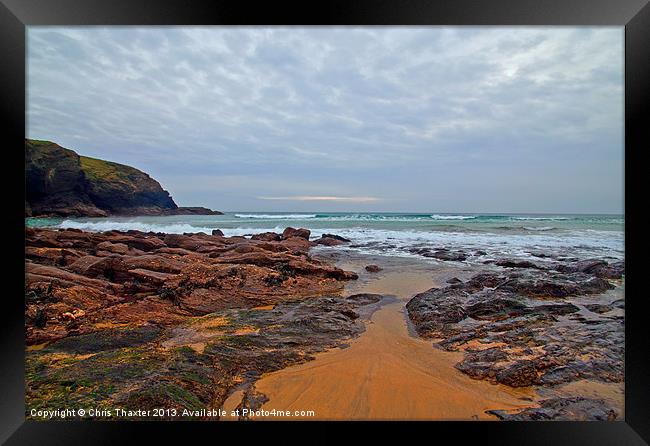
387, 373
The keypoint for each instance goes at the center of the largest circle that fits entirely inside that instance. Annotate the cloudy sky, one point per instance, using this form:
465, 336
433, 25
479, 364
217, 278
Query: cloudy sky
430, 119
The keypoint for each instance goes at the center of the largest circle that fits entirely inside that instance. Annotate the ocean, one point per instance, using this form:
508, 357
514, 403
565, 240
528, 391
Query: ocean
481, 236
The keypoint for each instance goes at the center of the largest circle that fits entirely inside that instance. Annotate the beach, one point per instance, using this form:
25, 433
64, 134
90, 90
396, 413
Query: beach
364, 316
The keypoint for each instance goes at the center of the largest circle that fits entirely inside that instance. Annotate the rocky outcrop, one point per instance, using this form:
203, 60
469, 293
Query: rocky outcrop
176, 321
192, 365
293, 232
55, 183
132, 276
331, 240
373, 268
526, 326
576, 409
59, 182
440, 254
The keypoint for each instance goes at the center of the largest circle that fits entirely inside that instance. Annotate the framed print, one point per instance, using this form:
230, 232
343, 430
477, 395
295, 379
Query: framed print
406, 215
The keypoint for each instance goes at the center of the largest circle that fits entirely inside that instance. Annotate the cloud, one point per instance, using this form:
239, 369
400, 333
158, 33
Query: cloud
429, 115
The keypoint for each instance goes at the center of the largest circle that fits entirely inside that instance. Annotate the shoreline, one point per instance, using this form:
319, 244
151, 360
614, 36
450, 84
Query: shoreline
360, 343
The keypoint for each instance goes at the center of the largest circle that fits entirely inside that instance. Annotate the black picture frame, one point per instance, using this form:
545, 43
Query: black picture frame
15, 15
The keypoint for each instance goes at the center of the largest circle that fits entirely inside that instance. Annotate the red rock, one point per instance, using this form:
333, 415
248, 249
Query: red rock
52, 256
143, 243
79, 281
154, 277
292, 232
183, 241
117, 248
267, 237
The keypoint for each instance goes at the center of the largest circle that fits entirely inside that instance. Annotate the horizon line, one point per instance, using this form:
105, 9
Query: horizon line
321, 211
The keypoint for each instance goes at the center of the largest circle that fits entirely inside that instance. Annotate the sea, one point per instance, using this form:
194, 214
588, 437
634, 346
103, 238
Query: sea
481, 236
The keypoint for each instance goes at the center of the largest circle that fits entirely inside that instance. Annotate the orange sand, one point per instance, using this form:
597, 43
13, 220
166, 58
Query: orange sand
386, 373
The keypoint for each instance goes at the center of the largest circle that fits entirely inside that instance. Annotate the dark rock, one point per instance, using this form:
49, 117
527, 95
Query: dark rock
454, 280
540, 342
373, 268
190, 365
217, 232
441, 254
599, 308
495, 308
558, 309
336, 237
509, 263
488, 355
519, 374
59, 182
190, 210
331, 240
595, 267
55, 183
574, 409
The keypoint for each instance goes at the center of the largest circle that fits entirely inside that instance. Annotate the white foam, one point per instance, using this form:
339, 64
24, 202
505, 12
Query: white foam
276, 216
114, 225
575, 243
453, 217
541, 218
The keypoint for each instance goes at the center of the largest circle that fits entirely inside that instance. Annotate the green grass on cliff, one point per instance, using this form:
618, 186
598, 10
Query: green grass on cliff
39, 142
100, 170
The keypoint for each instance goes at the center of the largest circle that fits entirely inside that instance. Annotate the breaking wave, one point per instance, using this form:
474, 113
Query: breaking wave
277, 216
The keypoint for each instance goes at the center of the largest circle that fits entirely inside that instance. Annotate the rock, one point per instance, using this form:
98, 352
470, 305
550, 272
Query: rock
494, 307
267, 236
557, 309
52, 256
373, 268
519, 374
117, 248
217, 232
155, 277
599, 308
331, 240
120, 189
292, 232
482, 364
195, 363
444, 254
542, 337
509, 263
454, 280
108, 274
574, 409
183, 241
336, 237
59, 182
55, 183
190, 210
595, 267
328, 241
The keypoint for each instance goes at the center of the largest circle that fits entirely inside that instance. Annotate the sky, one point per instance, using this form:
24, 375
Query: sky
404, 119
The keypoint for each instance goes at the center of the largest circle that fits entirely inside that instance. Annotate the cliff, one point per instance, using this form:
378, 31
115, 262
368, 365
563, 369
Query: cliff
59, 182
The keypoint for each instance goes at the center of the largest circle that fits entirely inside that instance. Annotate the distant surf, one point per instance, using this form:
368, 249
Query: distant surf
398, 234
